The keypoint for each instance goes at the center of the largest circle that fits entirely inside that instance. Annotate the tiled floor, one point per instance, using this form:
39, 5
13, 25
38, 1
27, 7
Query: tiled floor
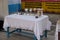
16, 36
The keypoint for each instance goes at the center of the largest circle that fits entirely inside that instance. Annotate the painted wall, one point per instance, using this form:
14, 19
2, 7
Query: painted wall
3, 8
14, 5
47, 5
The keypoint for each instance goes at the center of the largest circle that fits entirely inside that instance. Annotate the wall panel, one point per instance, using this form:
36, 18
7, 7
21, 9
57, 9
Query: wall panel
47, 5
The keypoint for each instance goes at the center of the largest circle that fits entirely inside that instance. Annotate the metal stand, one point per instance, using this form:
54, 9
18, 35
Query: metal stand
19, 30
45, 33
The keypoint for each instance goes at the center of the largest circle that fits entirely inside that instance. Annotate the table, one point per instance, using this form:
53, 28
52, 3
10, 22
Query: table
37, 25
57, 30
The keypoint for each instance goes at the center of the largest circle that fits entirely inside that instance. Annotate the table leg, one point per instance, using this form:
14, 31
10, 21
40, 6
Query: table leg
8, 32
35, 37
46, 33
41, 36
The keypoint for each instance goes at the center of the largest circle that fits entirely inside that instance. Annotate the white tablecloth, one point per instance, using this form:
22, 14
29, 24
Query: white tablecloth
37, 25
57, 29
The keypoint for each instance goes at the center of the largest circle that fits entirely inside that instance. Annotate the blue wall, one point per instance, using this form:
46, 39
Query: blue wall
14, 6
